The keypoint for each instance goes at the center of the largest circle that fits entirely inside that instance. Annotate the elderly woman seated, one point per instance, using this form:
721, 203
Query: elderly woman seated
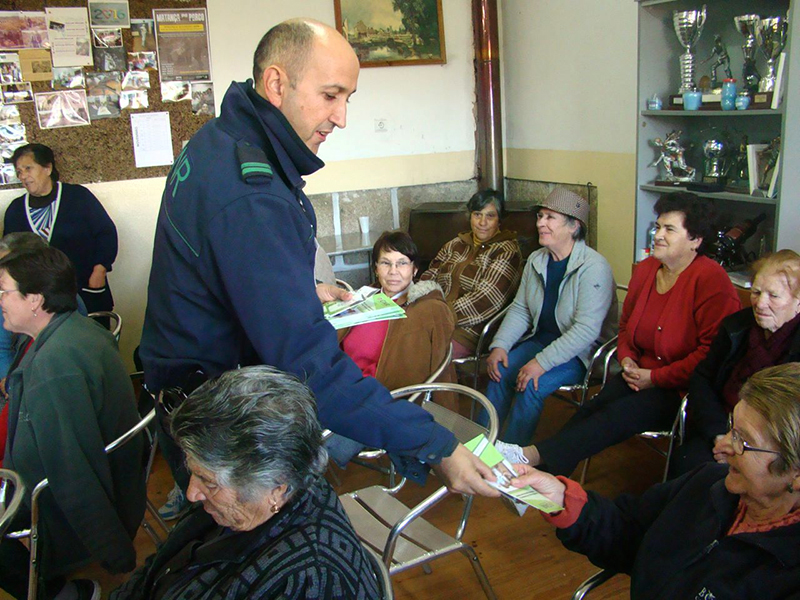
68, 398
267, 524
766, 334
675, 303
722, 531
567, 299
479, 270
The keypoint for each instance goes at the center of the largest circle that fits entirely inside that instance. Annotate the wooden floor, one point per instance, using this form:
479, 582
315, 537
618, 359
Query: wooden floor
521, 555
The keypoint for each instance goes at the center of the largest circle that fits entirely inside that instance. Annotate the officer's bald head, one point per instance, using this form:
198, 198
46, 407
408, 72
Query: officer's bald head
288, 45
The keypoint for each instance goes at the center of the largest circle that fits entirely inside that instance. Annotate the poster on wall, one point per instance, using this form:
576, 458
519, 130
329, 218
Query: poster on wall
109, 13
22, 29
69, 37
182, 44
62, 109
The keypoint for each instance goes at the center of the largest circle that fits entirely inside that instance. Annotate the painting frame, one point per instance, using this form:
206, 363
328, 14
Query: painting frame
371, 33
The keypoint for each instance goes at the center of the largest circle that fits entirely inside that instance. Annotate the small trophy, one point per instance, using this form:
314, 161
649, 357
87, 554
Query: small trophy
746, 25
771, 35
714, 168
677, 171
688, 27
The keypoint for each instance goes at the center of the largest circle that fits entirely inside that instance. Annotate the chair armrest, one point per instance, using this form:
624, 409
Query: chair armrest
594, 581
13, 504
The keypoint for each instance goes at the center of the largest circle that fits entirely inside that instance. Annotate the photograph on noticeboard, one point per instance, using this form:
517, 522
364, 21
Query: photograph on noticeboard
182, 44
107, 38
9, 114
65, 78
102, 94
70, 40
140, 61
110, 59
12, 136
133, 99
176, 91
143, 33
203, 99
136, 80
37, 65
21, 29
16, 93
62, 109
109, 13
10, 70
8, 174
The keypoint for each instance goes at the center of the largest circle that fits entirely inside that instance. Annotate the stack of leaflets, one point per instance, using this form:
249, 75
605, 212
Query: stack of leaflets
366, 306
485, 450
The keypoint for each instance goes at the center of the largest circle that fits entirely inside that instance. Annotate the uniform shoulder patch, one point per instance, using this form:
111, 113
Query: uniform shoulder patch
255, 167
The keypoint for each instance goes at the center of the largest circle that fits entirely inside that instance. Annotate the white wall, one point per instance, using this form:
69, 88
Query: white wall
569, 89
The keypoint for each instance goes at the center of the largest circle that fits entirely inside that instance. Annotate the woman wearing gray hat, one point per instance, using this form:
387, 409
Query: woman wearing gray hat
566, 300
675, 303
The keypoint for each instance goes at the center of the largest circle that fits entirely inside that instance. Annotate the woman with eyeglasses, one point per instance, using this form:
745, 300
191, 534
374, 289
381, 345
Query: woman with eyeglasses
765, 334
722, 531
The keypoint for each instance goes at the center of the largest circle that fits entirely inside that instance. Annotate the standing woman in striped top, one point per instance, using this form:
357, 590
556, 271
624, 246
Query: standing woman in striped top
69, 217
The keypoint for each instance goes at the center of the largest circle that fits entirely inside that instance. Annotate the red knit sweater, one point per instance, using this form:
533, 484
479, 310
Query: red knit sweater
700, 299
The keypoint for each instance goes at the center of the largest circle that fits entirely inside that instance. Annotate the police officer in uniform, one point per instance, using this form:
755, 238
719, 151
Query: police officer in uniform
232, 280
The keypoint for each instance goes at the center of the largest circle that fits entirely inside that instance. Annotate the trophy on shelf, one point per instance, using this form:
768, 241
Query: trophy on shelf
688, 27
714, 170
721, 59
746, 25
673, 159
771, 35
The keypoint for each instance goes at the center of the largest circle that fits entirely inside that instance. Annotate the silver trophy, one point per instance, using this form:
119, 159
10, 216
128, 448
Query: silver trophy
688, 27
747, 25
771, 35
672, 158
714, 167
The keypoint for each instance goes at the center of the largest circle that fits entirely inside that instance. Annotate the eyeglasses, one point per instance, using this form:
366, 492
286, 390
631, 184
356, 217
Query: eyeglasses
739, 445
399, 265
2, 292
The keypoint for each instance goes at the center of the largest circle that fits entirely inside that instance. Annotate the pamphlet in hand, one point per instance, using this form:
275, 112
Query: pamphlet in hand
367, 306
485, 450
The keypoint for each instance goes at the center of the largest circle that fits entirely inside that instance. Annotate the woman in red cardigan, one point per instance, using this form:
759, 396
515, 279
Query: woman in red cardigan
675, 303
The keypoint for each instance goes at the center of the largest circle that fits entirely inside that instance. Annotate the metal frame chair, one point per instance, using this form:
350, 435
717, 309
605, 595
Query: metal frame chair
592, 582
405, 539
381, 573
116, 331
33, 533
343, 284
487, 333
9, 509
675, 434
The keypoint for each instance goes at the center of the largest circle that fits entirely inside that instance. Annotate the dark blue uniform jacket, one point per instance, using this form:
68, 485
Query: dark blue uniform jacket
232, 281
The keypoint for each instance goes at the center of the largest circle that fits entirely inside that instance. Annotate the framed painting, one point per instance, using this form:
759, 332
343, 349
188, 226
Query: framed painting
389, 33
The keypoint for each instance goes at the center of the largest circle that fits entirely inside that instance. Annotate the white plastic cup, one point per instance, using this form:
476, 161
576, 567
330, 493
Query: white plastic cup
363, 222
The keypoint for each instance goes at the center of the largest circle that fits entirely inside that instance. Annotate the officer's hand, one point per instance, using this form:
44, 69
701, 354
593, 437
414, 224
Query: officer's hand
464, 473
327, 292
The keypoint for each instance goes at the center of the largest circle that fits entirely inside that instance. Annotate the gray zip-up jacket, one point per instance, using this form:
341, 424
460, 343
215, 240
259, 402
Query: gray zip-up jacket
586, 310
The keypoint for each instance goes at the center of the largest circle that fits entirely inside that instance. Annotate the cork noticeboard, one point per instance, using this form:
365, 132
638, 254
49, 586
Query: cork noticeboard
103, 150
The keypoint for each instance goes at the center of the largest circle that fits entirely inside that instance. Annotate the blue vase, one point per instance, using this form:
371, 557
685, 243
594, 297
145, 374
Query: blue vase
742, 101
728, 100
692, 100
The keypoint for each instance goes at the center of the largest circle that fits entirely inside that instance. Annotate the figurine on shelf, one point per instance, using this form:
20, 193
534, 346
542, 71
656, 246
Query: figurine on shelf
739, 172
672, 158
723, 60
768, 160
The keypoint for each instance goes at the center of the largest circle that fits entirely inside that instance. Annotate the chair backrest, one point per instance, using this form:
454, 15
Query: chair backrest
115, 325
343, 284
382, 574
33, 578
11, 492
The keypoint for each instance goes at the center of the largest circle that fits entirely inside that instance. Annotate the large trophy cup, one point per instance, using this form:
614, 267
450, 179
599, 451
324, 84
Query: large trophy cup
714, 169
747, 25
771, 35
688, 27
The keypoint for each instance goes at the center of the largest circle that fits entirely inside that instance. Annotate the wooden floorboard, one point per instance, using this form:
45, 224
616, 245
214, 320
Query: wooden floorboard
521, 555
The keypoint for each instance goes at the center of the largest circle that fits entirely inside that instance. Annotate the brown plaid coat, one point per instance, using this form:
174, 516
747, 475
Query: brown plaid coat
477, 281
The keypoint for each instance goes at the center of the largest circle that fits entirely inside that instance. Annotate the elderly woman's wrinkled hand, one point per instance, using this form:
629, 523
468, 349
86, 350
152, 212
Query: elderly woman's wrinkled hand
497, 356
532, 371
547, 485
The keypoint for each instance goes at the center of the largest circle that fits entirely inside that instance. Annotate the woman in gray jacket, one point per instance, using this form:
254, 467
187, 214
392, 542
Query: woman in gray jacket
566, 301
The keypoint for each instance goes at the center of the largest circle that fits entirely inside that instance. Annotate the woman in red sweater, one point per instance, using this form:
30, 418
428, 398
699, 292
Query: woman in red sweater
675, 303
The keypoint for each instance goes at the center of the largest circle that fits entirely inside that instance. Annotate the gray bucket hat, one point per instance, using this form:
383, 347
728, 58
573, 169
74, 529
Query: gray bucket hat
567, 203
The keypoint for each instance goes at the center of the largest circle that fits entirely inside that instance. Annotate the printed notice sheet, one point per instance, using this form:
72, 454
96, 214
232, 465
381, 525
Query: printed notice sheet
152, 139
70, 41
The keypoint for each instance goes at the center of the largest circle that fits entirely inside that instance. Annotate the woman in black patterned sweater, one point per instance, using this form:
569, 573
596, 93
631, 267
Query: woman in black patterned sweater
267, 524
479, 270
